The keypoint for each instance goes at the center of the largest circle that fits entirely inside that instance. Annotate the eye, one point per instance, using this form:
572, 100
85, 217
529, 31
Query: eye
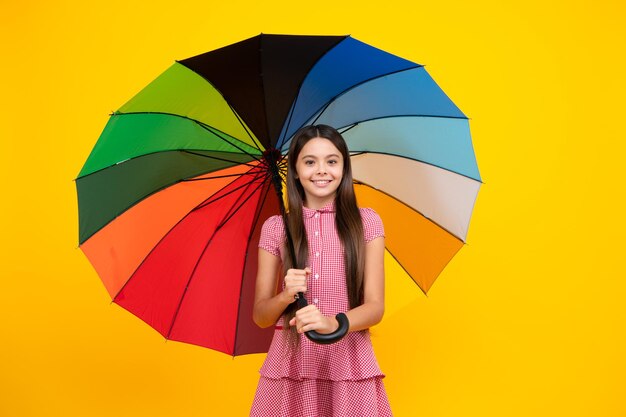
332, 161
308, 162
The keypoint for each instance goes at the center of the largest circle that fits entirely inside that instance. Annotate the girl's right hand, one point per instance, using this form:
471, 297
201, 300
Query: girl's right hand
295, 282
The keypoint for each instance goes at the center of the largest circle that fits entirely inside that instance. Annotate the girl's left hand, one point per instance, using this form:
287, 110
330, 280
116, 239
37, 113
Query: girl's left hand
310, 318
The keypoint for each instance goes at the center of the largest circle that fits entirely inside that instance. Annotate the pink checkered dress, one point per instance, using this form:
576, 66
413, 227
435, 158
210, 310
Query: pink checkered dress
311, 380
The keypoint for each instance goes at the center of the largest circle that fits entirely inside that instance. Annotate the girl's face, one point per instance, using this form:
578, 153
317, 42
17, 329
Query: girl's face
319, 168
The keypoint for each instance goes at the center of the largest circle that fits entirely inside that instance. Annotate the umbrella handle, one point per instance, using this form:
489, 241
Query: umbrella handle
325, 339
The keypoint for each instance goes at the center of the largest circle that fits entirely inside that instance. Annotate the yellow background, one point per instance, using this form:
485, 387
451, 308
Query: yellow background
528, 319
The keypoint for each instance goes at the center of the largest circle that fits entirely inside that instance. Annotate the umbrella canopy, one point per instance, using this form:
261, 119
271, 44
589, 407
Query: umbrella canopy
174, 193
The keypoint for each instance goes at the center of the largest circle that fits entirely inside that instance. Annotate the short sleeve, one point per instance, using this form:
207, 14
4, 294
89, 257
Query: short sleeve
272, 235
372, 224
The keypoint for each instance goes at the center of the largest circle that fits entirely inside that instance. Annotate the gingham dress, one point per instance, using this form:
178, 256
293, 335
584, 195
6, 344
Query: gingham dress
308, 379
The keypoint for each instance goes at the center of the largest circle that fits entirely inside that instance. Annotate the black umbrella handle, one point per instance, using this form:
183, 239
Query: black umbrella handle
325, 339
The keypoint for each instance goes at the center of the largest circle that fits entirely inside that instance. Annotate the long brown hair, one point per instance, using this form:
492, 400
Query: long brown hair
347, 217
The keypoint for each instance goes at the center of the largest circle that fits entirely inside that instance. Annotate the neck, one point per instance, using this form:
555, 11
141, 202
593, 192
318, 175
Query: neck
315, 204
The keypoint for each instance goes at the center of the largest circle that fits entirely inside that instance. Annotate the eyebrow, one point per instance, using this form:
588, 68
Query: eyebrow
332, 155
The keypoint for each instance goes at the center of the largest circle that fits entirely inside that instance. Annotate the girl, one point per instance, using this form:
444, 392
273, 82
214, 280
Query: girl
339, 252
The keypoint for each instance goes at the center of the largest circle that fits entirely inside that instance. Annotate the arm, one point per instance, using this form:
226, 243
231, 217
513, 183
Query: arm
371, 311
269, 301
367, 314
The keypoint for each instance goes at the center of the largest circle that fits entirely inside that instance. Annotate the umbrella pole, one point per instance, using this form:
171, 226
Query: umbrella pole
273, 156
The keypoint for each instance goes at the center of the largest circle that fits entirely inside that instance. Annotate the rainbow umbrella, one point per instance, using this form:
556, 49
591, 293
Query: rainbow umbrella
174, 193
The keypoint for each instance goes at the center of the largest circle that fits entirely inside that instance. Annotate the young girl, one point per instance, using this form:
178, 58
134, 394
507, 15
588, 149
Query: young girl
339, 252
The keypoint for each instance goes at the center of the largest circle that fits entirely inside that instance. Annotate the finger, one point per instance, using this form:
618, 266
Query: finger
297, 287
292, 282
295, 283
311, 318
309, 327
296, 272
298, 280
295, 322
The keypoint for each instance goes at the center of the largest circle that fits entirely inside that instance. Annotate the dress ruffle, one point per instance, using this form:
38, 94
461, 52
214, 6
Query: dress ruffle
320, 398
350, 359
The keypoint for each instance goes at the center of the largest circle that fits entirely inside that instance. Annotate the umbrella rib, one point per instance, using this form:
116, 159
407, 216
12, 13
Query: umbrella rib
352, 126
196, 152
229, 105
279, 144
323, 108
344, 129
241, 205
411, 208
257, 144
392, 116
433, 116
217, 229
262, 82
158, 243
212, 129
219, 159
262, 201
418, 160
329, 102
219, 135
217, 177
293, 106
207, 202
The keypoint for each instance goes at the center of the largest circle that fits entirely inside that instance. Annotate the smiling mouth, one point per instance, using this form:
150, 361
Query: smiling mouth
321, 182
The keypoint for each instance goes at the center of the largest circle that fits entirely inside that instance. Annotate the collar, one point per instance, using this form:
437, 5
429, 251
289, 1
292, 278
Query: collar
328, 208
